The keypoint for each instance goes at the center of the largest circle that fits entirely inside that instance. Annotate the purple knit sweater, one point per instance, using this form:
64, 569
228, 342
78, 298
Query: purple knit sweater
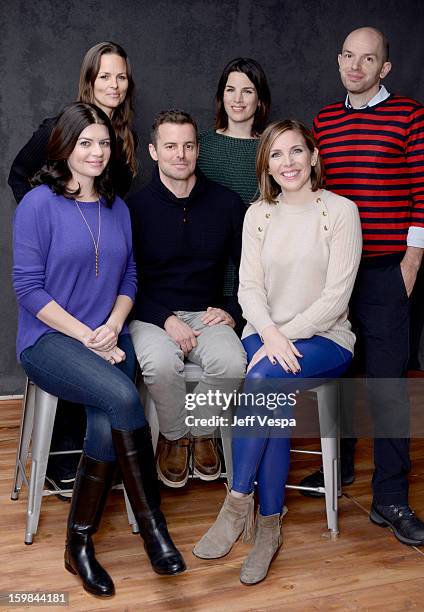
54, 259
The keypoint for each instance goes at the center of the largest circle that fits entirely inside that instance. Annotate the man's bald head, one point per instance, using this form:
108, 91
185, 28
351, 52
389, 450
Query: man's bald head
373, 35
363, 64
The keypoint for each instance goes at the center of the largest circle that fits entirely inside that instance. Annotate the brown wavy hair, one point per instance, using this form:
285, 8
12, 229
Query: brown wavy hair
254, 72
122, 115
268, 187
56, 172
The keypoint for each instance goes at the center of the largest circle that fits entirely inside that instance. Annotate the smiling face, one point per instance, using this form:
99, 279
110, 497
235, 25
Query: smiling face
240, 98
176, 150
111, 84
290, 162
91, 153
362, 62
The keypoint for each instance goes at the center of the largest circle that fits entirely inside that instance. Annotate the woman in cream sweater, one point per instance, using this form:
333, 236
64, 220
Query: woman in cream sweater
301, 251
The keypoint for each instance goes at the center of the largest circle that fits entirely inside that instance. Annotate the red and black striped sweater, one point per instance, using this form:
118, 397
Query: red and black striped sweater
375, 157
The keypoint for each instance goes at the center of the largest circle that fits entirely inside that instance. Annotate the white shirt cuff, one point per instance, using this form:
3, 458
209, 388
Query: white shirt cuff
415, 237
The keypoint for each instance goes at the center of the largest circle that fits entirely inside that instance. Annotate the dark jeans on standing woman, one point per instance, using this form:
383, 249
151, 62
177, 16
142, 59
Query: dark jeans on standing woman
67, 369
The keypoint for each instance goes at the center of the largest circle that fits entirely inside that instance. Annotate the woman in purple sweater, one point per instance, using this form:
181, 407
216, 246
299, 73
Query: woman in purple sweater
75, 280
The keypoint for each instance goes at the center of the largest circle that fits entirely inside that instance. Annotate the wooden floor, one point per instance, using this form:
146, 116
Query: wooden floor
364, 569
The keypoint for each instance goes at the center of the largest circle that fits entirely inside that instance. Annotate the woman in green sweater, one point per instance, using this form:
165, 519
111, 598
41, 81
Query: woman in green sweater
228, 151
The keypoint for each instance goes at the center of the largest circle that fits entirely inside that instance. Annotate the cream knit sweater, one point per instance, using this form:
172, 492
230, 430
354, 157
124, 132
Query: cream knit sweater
298, 267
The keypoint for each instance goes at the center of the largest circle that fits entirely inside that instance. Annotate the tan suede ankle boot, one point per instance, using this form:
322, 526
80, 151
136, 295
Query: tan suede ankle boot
267, 541
235, 516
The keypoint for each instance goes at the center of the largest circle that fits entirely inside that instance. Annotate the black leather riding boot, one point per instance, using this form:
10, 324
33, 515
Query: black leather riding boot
92, 484
137, 462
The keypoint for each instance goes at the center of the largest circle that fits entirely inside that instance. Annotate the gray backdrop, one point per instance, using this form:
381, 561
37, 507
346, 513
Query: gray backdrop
178, 49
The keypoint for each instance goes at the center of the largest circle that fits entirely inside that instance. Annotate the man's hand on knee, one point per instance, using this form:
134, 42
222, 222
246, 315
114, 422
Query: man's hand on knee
217, 316
181, 333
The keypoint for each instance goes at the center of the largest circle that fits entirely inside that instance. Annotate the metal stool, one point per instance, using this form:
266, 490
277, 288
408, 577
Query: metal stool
327, 396
192, 373
38, 414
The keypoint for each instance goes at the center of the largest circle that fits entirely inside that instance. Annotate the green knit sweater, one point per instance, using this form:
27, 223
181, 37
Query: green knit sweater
231, 162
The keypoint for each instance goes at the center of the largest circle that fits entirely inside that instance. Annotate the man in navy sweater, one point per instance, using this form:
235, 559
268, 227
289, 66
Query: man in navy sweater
186, 228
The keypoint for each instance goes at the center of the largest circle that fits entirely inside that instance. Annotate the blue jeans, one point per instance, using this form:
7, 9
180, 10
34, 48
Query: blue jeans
266, 459
67, 369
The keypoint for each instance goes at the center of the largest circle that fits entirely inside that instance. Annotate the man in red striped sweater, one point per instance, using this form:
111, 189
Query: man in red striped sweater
372, 144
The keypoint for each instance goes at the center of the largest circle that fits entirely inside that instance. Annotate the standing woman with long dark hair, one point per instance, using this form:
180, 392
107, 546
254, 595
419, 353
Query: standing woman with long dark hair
106, 81
228, 151
75, 280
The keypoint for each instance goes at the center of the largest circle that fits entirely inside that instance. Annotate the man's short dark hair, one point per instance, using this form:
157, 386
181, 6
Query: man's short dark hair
179, 117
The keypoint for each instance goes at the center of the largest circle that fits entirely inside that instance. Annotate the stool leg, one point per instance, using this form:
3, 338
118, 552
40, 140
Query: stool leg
339, 473
130, 514
327, 396
150, 413
27, 420
152, 419
227, 447
329, 462
44, 415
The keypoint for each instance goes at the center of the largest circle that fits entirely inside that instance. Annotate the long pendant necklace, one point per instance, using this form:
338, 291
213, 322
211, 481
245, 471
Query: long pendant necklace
96, 243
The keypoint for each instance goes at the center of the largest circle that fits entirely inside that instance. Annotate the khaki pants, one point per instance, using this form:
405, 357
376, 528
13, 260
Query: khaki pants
220, 354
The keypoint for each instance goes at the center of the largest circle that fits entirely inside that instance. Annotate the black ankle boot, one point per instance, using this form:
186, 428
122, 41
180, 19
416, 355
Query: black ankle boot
137, 462
91, 488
